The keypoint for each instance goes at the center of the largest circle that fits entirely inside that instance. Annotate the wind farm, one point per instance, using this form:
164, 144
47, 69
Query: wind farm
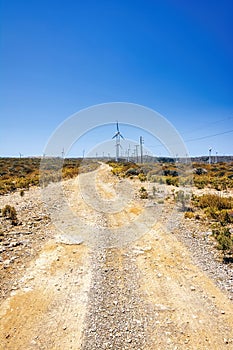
116, 175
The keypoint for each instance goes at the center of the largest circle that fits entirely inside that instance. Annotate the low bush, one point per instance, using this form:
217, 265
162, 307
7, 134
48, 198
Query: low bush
224, 239
221, 216
9, 212
200, 181
154, 190
131, 172
172, 181
215, 207
121, 168
142, 177
189, 215
182, 198
143, 193
215, 201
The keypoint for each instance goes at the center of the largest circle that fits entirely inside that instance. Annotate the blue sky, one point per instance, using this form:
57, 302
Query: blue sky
58, 57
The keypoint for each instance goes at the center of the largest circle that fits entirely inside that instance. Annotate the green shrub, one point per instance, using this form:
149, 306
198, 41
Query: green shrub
154, 190
172, 181
159, 179
143, 193
160, 201
131, 172
222, 216
224, 239
142, 177
182, 198
170, 172
200, 181
185, 181
9, 212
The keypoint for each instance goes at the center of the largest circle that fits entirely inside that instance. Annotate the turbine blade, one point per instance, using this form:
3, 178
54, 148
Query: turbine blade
117, 127
121, 136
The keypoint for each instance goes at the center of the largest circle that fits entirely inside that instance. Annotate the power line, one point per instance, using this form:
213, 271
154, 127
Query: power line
208, 125
209, 136
198, 138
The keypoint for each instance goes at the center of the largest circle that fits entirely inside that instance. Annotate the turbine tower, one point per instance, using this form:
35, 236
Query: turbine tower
118, 137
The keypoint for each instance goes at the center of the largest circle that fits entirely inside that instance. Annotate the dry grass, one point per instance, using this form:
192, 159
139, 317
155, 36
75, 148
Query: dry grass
22, 173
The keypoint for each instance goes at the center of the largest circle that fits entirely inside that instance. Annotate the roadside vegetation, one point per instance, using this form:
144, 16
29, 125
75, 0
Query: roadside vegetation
22, 173
217, 211
216, 176
214, 210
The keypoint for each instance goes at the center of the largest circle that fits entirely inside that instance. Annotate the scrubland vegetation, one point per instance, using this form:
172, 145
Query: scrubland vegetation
21, 173
217, 176
217, 210
214, 210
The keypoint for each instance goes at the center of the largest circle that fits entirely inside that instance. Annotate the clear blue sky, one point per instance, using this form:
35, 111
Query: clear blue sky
58, 57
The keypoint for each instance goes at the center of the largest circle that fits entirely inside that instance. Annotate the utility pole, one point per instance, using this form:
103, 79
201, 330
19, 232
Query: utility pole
133, 155
141, 148
128, 153
136, 150
83, 153
216, 157
210, 155
62, 153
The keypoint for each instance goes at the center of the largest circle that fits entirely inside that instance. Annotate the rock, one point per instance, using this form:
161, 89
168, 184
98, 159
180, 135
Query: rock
14, 244
7, 262
147, 249
70, 240
199, 171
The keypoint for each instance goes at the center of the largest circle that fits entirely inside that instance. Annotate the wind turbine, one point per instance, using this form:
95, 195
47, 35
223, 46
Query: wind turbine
118, 137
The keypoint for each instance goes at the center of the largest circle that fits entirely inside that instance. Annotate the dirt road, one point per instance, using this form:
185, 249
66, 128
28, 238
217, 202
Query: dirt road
146, 295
